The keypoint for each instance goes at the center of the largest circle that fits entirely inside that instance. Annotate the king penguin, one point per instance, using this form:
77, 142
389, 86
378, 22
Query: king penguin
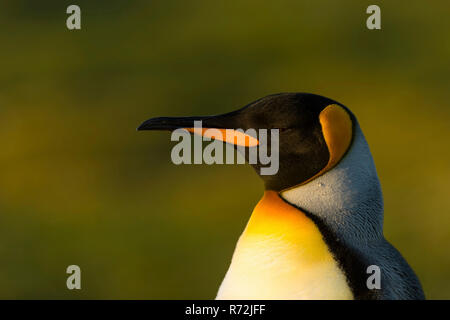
317, 232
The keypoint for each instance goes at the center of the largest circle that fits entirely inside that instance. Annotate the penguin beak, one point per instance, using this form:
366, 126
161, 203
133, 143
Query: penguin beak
221, 127
170, 123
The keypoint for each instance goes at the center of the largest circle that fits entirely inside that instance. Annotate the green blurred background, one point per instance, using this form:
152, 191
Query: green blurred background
78, 184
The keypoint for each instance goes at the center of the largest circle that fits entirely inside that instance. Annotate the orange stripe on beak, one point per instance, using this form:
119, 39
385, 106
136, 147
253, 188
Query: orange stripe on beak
235, 137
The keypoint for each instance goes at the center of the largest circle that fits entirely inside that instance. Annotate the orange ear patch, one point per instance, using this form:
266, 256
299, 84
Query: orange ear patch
337, 128
236, 137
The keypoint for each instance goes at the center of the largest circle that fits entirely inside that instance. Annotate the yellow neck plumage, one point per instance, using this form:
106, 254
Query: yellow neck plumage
282, 255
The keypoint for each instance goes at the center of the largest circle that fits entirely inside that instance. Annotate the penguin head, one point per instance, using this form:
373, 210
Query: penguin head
314, 133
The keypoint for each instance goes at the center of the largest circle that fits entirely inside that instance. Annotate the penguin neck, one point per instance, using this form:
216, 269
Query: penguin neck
347, 198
